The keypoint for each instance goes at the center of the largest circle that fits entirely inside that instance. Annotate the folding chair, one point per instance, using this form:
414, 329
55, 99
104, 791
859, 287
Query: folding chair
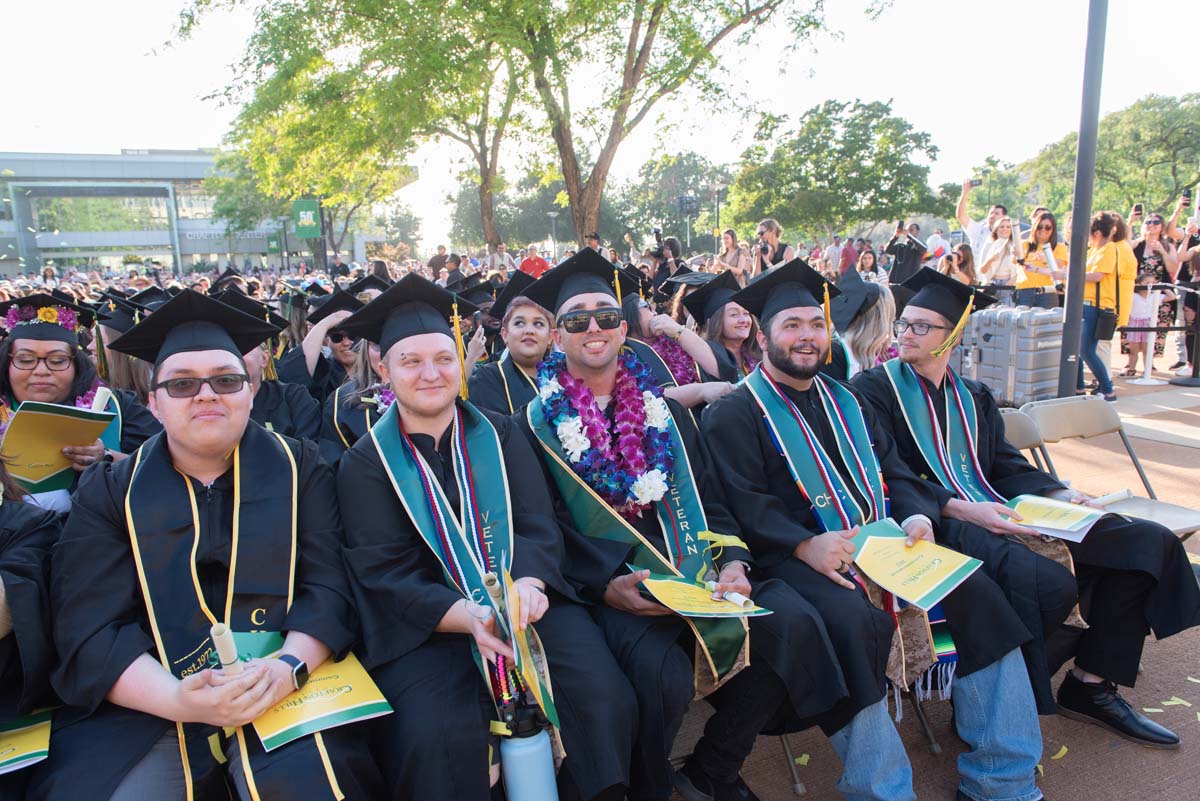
1024, 435
1091, 416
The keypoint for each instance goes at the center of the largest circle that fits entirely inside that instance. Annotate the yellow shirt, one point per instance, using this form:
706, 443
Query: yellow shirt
1038, 259
1127, 270
1102, 260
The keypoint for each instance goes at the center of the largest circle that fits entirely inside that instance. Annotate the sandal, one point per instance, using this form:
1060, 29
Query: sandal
1128, 372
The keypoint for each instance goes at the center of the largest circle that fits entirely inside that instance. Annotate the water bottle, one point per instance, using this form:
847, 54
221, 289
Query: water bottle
526, 757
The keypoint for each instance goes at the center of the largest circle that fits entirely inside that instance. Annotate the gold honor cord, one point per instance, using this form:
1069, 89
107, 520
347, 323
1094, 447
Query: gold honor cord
617, 282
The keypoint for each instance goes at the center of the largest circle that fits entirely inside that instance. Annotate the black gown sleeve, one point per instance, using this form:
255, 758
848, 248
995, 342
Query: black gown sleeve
293, 369
726, 369
323, 605
137, 423
28, 535
330, 439
305, 411
95, 599
485, 388
398, 585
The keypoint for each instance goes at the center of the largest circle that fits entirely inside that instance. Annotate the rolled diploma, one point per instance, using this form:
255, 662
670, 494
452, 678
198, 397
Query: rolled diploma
226, 648
735, 598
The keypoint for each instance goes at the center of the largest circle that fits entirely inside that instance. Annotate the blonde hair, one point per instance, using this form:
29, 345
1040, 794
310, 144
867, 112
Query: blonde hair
870, 335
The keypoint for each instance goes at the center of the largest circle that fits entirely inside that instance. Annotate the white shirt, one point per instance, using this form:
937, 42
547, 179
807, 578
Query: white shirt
934, 242
833, 256
978, 234
498, 260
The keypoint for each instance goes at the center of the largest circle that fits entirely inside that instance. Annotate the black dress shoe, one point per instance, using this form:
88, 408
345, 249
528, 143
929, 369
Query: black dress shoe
694, 785
1102, 704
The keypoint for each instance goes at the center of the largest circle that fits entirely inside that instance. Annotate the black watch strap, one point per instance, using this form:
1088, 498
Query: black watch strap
299, 669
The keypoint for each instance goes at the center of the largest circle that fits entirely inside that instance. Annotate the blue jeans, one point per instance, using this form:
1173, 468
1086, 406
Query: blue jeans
874, 764
1087, 350
996, 716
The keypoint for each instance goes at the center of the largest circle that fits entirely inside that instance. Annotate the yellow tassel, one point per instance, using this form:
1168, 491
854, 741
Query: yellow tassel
269, 371
617, 283
828, 323
101, 356
462, 353
958, 329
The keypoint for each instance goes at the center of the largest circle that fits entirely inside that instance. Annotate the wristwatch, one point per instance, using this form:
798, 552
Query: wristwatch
299, 670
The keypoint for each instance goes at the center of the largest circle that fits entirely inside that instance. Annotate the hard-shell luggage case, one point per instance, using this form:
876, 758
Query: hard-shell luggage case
1015, 351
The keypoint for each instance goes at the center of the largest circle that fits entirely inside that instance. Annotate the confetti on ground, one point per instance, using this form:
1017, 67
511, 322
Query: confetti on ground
1176, 701
1041, 770
1062, 752
1192, 679
1151, 709
802, 760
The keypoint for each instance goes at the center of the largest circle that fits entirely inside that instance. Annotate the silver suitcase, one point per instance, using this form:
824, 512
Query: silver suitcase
1015, 351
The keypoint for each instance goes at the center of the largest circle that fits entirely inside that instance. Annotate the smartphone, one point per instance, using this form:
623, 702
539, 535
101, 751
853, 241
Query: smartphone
976, 182
1138, 209
1187, 197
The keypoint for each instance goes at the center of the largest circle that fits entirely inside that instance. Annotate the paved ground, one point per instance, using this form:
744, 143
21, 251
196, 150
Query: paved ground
1079, 762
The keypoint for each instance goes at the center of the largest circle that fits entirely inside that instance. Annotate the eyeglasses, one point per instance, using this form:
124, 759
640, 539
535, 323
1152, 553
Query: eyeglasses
225, 384
338, 337
762, 233
577, 322
1045, 227
920, 329
56, 362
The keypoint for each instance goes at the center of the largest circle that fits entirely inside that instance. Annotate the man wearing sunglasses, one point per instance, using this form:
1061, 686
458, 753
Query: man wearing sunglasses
213, 520
663, 522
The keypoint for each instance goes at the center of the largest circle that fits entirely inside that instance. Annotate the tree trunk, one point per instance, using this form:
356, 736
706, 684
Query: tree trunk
487, 209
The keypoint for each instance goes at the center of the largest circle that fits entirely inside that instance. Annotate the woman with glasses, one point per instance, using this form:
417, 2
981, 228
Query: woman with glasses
770, 252
43, 362
355, 406
1038, 287
1156, 254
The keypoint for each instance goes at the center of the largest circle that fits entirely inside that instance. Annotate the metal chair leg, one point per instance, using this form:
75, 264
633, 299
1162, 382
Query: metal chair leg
797, 785
934, 746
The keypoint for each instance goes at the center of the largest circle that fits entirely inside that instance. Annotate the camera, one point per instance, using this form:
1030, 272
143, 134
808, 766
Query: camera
764, 248
1187, 197
976, 182
660, 251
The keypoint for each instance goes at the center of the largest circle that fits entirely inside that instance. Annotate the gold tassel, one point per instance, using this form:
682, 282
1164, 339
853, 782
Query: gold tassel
101, 356
462, 353
828, 323
617, 283
958, 329
269, 371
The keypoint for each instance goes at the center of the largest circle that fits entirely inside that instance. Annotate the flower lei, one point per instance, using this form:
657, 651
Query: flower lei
383, 397
84, 401
23, 315
632, 475
681, 365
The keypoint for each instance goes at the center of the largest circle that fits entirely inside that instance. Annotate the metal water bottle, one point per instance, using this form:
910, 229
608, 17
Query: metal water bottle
526, 757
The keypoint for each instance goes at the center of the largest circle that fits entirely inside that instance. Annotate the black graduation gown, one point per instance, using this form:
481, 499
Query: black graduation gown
101, 625
431, 678
321, 383
776, 517
287, 409
658, 368
789, 641
486, 387
137, 423
27, 535
343, 423
1115, 543
727, 367
838, 368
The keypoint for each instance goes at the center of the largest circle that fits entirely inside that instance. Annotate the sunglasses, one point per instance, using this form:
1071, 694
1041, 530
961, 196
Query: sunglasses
1045, 227
577, 322
225, 384
338, 337
1153, 222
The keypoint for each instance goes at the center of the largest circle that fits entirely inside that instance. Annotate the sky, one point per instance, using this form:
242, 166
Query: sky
981, 78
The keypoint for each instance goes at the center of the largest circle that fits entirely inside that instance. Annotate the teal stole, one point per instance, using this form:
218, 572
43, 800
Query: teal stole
949, 446
833, 504
689, 543
163, 519
478, 550
111, 436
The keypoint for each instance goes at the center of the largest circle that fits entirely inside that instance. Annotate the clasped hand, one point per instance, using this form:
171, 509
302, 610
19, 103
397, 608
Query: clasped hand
222, 699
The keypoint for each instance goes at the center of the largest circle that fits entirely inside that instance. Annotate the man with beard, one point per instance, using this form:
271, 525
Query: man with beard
948, 430
634, 494
805, 465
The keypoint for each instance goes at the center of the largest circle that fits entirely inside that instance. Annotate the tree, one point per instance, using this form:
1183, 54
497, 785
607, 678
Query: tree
653, 198
1146, 153
845, 163
237, 198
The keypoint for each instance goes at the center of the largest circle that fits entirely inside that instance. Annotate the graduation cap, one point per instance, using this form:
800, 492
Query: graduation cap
948, 297
474, 289
587, 271
791, 285
338, 301
45, 318
516, 286
230, 273
710, 298
369, 281
411, 306
856, 298
152, 297
314, 289
684, 276
174, 289
189, 322
120, 313
231, 297
644, 284
290, 299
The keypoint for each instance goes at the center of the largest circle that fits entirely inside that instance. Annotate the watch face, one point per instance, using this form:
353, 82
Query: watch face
300, 675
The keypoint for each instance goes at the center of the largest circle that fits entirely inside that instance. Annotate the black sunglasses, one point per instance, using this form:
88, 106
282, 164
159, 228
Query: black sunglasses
577, 322
225, 384
337, 337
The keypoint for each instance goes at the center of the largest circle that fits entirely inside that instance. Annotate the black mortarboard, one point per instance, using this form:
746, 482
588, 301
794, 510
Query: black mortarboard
151, 297
644, 284
291, 298
411, 306
121, 313
237, 300
710, 298
230, 273
45, 318
189, 322
369, 281
174, 289
855, 297
474, 289
948, 297
516, 286
315, 289
338, 301
586, 271
788, 286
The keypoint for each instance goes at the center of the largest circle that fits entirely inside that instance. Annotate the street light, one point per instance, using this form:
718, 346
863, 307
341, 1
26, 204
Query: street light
553, 215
